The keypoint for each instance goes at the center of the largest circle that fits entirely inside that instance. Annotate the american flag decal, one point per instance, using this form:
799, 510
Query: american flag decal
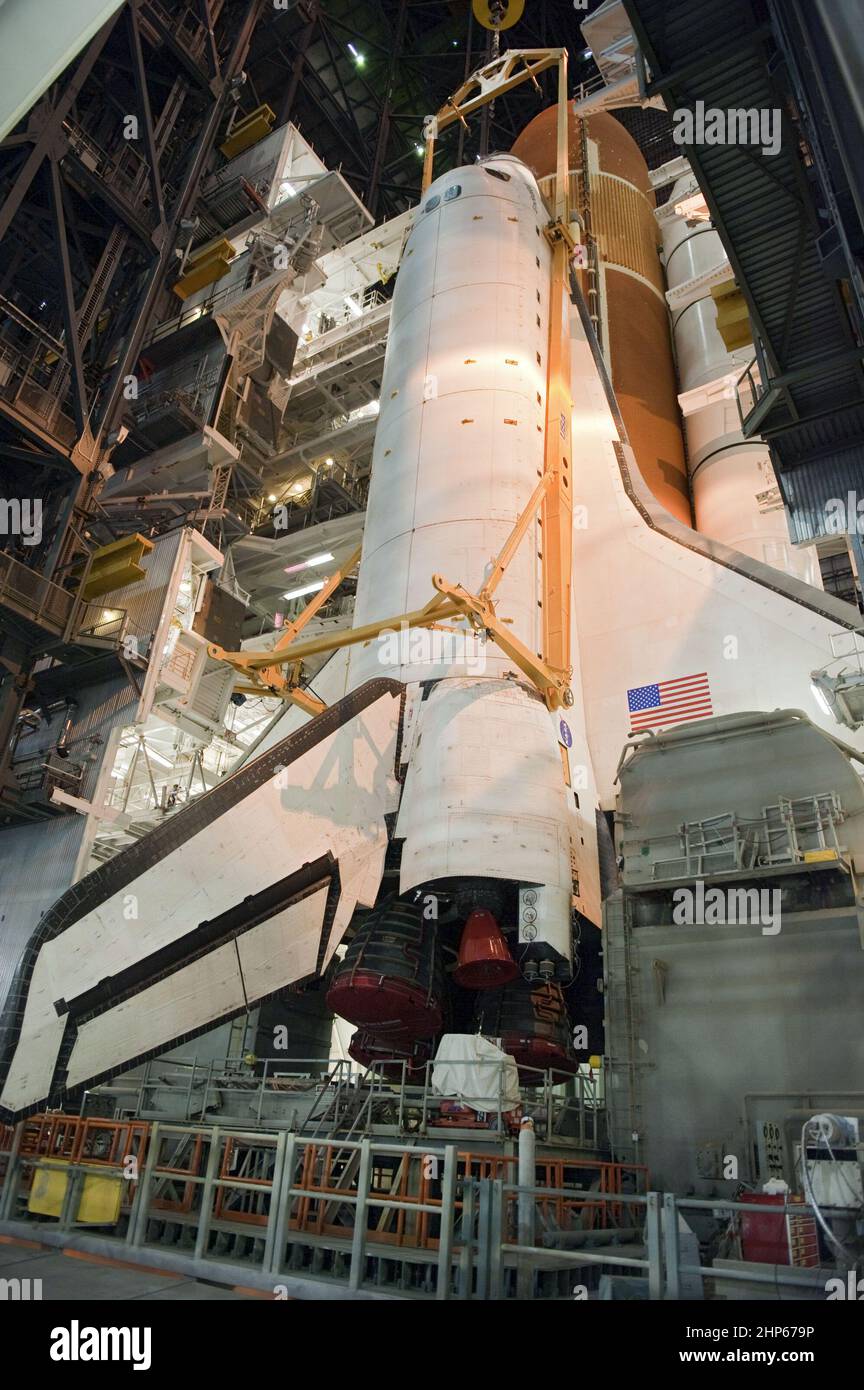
669, 702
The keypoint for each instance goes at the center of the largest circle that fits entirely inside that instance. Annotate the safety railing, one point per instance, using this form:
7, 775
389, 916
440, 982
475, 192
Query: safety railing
185, 25
357, 1212
665, 1271
81, 1138
847, 655
124, 170
35, 375
72, 1147
184, 1088
757, 392
96, 625
43, 773
299, 1092
187, 384
334, 489
219, 299
32, 596
748, 389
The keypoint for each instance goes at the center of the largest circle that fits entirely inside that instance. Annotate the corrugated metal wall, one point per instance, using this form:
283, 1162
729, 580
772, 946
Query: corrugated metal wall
145, 600
808, 488
100, 709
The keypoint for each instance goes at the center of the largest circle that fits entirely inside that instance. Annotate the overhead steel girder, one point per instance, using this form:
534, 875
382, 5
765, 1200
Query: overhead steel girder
113, 401
184, 58
780, 266
80, 401
44, 40
338, 130
370, 197
303, 43
349, 104
211, 52
52, 127
22, 425
18, 454
49, 141
145, 112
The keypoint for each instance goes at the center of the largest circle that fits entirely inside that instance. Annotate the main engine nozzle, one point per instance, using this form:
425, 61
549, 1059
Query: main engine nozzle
485, 961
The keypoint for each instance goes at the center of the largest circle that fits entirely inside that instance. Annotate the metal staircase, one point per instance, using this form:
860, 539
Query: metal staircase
98, 287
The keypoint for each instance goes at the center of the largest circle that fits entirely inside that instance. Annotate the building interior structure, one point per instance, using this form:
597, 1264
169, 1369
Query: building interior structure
431, 649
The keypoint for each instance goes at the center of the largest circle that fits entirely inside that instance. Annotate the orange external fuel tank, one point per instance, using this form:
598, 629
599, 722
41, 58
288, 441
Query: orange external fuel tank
633, 316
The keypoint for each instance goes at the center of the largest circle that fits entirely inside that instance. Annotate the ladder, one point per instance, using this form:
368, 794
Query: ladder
98, 287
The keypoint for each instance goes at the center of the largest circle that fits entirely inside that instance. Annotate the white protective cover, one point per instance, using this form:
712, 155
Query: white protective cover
470, 1068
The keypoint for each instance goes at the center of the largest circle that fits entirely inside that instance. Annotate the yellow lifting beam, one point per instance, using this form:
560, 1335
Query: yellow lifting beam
205, 267
514, 67
248, 131
112, 567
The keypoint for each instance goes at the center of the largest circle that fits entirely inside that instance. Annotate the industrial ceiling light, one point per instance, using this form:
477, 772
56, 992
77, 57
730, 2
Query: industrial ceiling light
841, 695
820, 696
304, 589
359, 58
323, 559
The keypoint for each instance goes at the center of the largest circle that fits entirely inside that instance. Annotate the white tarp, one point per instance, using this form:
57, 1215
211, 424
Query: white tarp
469, 1068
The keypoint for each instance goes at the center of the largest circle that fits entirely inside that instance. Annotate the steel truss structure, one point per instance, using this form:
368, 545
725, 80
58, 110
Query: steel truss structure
360, 78
98, 185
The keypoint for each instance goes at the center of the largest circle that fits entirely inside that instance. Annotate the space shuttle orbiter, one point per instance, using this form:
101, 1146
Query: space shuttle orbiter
517, 580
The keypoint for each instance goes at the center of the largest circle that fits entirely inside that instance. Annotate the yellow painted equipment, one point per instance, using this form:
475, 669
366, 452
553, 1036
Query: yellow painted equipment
249, 130
98, 1204
820, 856
114, 566
495, 16
204, 268
733, 320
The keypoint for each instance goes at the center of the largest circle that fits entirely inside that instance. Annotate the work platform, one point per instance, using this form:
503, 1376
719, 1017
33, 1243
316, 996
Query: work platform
290, 1217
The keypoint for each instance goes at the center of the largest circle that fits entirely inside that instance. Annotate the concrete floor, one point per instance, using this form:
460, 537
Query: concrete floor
76, 1278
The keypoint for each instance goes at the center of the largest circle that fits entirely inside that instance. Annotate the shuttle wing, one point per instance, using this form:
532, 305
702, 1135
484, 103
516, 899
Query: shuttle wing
238, 895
